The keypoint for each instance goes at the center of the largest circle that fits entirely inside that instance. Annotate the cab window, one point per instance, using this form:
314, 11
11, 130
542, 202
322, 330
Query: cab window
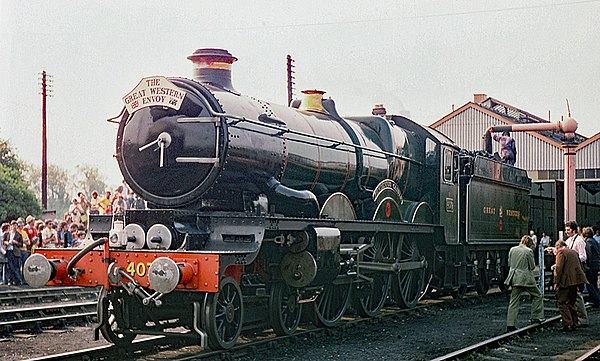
448, 165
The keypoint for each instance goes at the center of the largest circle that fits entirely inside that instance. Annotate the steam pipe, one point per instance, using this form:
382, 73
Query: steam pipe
307, 198
83, 252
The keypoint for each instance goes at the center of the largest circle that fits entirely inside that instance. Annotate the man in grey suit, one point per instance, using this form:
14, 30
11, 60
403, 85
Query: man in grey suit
520, 277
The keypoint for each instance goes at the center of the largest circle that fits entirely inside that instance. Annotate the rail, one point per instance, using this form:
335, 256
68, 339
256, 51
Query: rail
36, 317
17, 297
495, 340
590, 355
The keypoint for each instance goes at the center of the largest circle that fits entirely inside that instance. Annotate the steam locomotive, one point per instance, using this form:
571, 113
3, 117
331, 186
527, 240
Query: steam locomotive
258, 211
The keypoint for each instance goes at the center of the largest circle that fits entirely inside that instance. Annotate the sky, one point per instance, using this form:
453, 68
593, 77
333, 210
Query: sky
415, 57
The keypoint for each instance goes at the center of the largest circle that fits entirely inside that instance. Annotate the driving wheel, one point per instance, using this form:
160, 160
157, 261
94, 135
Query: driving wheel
370, 296
409, 283
330, 305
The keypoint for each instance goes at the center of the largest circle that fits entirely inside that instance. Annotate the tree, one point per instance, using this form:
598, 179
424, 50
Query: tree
7, 156
60, 187
89, 180
15, 198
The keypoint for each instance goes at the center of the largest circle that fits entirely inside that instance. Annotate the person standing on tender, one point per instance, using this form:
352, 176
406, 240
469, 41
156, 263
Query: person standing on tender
520, 277
508, 148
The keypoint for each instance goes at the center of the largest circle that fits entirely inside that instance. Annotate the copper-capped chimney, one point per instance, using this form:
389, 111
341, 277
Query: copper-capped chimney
313, 101
213, 66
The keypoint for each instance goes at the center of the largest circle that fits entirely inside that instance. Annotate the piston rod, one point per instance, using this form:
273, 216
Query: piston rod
392, 267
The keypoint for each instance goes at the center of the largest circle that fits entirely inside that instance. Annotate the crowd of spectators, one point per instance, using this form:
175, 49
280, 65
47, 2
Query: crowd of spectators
21, 236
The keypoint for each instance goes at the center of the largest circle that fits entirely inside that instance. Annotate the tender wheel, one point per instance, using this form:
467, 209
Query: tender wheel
408, 285
112, 329
482, 285
502, 277
330, 306
284, 310
502, 271
223, 315
459, 293
370, 296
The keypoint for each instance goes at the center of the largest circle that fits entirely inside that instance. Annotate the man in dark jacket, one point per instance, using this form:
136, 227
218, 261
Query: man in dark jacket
592, 263
13, 241
568, 276
520, 277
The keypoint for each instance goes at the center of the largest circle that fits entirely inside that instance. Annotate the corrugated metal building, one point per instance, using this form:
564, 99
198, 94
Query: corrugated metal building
538, 152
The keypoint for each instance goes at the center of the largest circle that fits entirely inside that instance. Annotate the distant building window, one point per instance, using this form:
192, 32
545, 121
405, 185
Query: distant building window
590, 173
555, 174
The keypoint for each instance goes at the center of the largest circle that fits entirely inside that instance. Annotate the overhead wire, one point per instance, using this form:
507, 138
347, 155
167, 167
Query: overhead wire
379, 20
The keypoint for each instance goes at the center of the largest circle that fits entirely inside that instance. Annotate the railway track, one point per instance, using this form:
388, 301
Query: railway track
531, 342
250, 342
590, 355
39, 317
535, 342
255, 348
38, 308
107, 352
19, 297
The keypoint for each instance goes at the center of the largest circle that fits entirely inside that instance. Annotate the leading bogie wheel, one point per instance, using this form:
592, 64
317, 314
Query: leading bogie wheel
408, 285
224, 315
284, 310
112, 330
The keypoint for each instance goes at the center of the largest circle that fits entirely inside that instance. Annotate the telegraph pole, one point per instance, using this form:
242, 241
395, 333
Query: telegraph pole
290, 79
45, 93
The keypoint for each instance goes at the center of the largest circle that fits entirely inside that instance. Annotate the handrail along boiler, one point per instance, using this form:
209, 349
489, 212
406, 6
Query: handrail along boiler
258, 211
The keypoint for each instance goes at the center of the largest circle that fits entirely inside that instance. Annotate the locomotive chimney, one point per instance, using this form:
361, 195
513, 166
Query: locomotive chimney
213, 66
379, 109
313, 101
